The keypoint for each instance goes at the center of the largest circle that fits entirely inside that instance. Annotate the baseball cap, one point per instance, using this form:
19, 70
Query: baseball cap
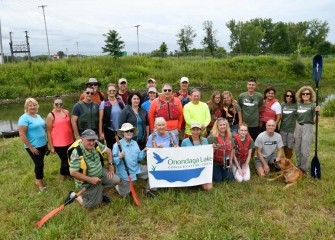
122, 80
89, 134
151, 79
93, 81
184, 79
195, 125
152, 89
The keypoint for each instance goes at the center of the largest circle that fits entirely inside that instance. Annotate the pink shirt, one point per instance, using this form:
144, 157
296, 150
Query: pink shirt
61, 131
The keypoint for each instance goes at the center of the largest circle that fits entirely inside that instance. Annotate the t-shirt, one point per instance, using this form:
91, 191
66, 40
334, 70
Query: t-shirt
35, 129
115, 113
196, 113
146, 105
250, 108
187, 143
268, 144
163, 140
289, 117
306, 113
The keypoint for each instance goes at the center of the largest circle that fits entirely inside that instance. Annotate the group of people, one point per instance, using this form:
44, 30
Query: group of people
130, 123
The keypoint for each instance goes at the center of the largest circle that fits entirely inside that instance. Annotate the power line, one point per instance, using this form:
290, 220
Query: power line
46, 31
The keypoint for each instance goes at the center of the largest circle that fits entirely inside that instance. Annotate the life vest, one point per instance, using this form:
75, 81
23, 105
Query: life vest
83, 165
222, 152
168, 109
185, 99
266, 113
242, 150
107, 120
89, 119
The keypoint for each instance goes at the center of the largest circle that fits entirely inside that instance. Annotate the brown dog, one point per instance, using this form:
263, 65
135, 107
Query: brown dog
290, 172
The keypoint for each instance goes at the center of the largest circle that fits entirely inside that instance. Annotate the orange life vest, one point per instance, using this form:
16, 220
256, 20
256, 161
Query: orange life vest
242, 150
168, 110
266, 113
222, 153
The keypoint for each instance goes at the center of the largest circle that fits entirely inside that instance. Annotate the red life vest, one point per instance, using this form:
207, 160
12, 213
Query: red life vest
222, 153
168, 109
242, 150
266, 113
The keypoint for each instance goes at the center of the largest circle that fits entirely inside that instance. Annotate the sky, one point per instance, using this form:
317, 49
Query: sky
78, 25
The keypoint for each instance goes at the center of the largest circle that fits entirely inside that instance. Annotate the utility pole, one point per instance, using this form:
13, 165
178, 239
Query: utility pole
77, 49
46, 31
1, 49
138, 43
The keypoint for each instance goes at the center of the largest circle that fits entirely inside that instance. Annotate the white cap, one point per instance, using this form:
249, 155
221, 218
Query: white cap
151, 79
184, 79
122, 80
196, 125
152, 89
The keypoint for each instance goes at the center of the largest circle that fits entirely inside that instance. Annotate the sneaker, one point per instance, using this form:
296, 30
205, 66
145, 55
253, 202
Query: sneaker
148, 194
105, 199
70, 197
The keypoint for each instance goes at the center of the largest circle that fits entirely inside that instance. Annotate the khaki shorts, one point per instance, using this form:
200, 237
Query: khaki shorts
288, 139
270, 160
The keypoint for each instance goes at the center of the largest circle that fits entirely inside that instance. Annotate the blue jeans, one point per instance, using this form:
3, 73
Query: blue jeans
220, 174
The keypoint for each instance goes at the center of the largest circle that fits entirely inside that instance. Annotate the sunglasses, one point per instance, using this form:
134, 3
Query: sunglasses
88, 93
305, 94
167, 90
290, 96
129, 131
94, 84
59, 104
111, 90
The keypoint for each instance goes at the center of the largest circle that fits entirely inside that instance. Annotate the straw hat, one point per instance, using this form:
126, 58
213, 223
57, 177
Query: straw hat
126, 127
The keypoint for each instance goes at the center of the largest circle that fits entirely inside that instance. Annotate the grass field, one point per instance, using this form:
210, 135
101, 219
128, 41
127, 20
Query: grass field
254, 210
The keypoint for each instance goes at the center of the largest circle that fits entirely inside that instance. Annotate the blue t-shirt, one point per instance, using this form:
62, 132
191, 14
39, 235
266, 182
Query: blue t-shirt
163, 140
35, 130
146, 105
187, 143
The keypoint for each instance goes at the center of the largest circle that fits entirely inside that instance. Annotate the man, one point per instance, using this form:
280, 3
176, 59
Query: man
168, 107
123, 92
196, 111
85, 114
151, 84
267, 143
250, 103
152, 93
98, 96
95, 178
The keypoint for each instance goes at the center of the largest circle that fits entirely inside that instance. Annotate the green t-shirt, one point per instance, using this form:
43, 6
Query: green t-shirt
289, 117
250, 108
306, 113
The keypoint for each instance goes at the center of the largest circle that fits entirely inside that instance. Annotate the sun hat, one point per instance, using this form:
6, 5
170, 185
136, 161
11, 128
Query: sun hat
89, 134
93, 81
184, 79
122, 80
126, 127
151, 79
152, 89
195, 125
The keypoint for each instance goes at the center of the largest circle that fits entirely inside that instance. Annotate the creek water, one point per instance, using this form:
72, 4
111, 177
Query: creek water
10, 112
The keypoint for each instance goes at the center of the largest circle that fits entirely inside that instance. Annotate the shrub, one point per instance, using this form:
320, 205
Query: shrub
329, 109
298, 68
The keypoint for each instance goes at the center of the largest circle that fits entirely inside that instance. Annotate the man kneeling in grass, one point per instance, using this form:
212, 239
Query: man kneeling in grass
94, 177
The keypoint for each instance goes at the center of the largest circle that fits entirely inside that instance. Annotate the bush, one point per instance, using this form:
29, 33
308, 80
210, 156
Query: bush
329, 109
298, 68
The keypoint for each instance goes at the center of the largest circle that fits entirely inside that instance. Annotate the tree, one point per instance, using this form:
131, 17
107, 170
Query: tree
114, 44
317, 32
210, 42
163, 47
61, 54
281, 39
185, 37
324, 48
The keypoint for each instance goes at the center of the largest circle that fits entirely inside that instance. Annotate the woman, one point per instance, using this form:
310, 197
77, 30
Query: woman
32, 133
243, 149
304, 128
215, 107
60, 134
160, 137
195, 140
271, 109
288, 122
231, 111
137, 116
109, 112
131, 154
222, 142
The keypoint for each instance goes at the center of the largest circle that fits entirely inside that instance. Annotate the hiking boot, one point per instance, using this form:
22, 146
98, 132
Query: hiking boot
105, 199
148, 194
70, 197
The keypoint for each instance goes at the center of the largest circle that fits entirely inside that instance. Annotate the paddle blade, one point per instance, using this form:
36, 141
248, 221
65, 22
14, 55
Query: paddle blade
317, 68
316, 168
49, 215
133, 192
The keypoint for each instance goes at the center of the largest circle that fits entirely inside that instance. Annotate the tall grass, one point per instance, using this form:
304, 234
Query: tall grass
253, 210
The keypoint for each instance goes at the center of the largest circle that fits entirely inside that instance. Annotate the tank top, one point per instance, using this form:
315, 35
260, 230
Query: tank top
61, 132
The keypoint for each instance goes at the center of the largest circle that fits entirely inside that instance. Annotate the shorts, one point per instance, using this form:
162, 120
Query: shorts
270, 160
93, 195
288, 139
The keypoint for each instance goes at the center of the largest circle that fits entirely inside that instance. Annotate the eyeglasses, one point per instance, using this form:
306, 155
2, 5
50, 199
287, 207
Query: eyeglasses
93, 84
111, 90
59, 104
305, 94
167, 90
123, 83
129, 131
290, 96
88, 93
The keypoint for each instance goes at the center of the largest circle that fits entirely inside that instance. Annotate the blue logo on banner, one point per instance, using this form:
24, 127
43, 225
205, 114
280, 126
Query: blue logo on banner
177, 175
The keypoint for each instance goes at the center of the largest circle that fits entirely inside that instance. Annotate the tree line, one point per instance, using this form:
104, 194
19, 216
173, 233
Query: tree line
261, 36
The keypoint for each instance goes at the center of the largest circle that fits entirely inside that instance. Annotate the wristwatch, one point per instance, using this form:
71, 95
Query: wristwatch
110, 163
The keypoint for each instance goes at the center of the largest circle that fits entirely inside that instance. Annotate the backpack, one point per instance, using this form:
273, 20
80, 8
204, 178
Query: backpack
83, 165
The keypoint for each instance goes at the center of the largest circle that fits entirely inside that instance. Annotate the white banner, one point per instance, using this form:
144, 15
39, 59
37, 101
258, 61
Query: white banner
180, 167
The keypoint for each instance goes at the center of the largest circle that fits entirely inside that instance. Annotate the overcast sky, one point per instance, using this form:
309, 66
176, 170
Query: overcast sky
84, 21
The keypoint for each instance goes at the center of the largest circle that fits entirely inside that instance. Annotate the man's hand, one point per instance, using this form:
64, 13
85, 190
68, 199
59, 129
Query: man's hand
95, 180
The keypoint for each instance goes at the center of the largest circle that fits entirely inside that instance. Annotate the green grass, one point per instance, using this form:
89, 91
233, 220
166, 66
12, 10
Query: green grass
254, 210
